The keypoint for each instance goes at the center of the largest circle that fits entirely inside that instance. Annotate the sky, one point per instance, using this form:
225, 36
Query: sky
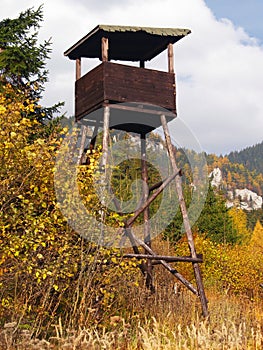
218, 66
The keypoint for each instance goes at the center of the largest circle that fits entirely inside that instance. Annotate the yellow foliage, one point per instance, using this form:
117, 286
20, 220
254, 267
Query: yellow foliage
233, 268
256, 240
239, 219
45, 267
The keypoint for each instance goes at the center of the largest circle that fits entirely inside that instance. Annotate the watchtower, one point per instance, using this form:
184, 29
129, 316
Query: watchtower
134, 99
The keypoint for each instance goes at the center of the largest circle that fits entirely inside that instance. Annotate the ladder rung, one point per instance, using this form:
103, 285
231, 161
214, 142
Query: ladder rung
198, 259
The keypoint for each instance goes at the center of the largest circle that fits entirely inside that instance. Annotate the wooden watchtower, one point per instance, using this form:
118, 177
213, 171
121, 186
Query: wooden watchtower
109, 95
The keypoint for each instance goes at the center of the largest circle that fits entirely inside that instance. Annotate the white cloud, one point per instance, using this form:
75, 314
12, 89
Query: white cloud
222, 101
219, 75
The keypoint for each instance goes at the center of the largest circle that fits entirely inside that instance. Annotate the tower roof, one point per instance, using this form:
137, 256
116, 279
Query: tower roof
126, 43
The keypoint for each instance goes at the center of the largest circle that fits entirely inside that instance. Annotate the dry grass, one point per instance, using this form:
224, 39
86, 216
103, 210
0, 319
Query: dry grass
234, 323
139, 320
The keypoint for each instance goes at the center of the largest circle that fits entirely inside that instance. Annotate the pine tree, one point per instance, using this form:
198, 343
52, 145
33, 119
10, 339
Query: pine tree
215, 221
23, 60
253, 216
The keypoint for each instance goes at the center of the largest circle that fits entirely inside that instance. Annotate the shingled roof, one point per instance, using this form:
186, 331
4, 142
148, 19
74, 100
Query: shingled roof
126, 43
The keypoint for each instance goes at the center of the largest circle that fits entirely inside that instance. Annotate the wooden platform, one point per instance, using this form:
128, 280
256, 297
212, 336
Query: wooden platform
113, 83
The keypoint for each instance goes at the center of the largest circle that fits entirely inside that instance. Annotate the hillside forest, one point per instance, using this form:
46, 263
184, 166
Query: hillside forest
61, 290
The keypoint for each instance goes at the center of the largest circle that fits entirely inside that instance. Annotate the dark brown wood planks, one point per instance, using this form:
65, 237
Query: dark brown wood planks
120, 83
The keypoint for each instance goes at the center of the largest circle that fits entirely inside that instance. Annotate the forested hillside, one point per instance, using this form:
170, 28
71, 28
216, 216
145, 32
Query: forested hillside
232, 177
251, 157
237, 175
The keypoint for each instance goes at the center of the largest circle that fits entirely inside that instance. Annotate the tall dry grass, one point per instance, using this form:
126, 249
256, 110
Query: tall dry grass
137, 319
234, 323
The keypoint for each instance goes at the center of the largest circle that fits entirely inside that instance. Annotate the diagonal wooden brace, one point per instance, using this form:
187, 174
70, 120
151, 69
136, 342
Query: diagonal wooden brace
173, 271
166, 182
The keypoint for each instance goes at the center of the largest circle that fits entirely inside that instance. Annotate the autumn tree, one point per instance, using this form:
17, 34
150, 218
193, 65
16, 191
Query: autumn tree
230, 268
47, 270
239, 220
257, 236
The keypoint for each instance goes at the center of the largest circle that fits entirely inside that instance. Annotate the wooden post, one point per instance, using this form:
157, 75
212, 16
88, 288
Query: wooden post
82, 144
104, 49
142, 64
187, 226
145, 190
104, 163
170, 58
78, 68
146, 213
105, 138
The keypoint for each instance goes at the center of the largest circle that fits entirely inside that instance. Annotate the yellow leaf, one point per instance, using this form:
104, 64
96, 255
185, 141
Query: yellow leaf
2, 109
55, 286
40, 141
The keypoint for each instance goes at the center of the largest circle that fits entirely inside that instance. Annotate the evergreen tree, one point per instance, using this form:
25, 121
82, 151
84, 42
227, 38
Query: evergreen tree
23, 60
253, 216
215, 221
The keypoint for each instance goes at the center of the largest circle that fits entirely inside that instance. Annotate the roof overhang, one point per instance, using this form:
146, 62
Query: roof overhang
126, 43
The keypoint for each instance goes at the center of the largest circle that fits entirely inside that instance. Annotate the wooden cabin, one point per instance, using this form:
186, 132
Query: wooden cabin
123, 87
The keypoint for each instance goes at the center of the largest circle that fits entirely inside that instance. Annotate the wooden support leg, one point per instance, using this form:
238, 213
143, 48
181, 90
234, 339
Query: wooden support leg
105, 139
146, 213
82, 144
178, 182
104, 163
